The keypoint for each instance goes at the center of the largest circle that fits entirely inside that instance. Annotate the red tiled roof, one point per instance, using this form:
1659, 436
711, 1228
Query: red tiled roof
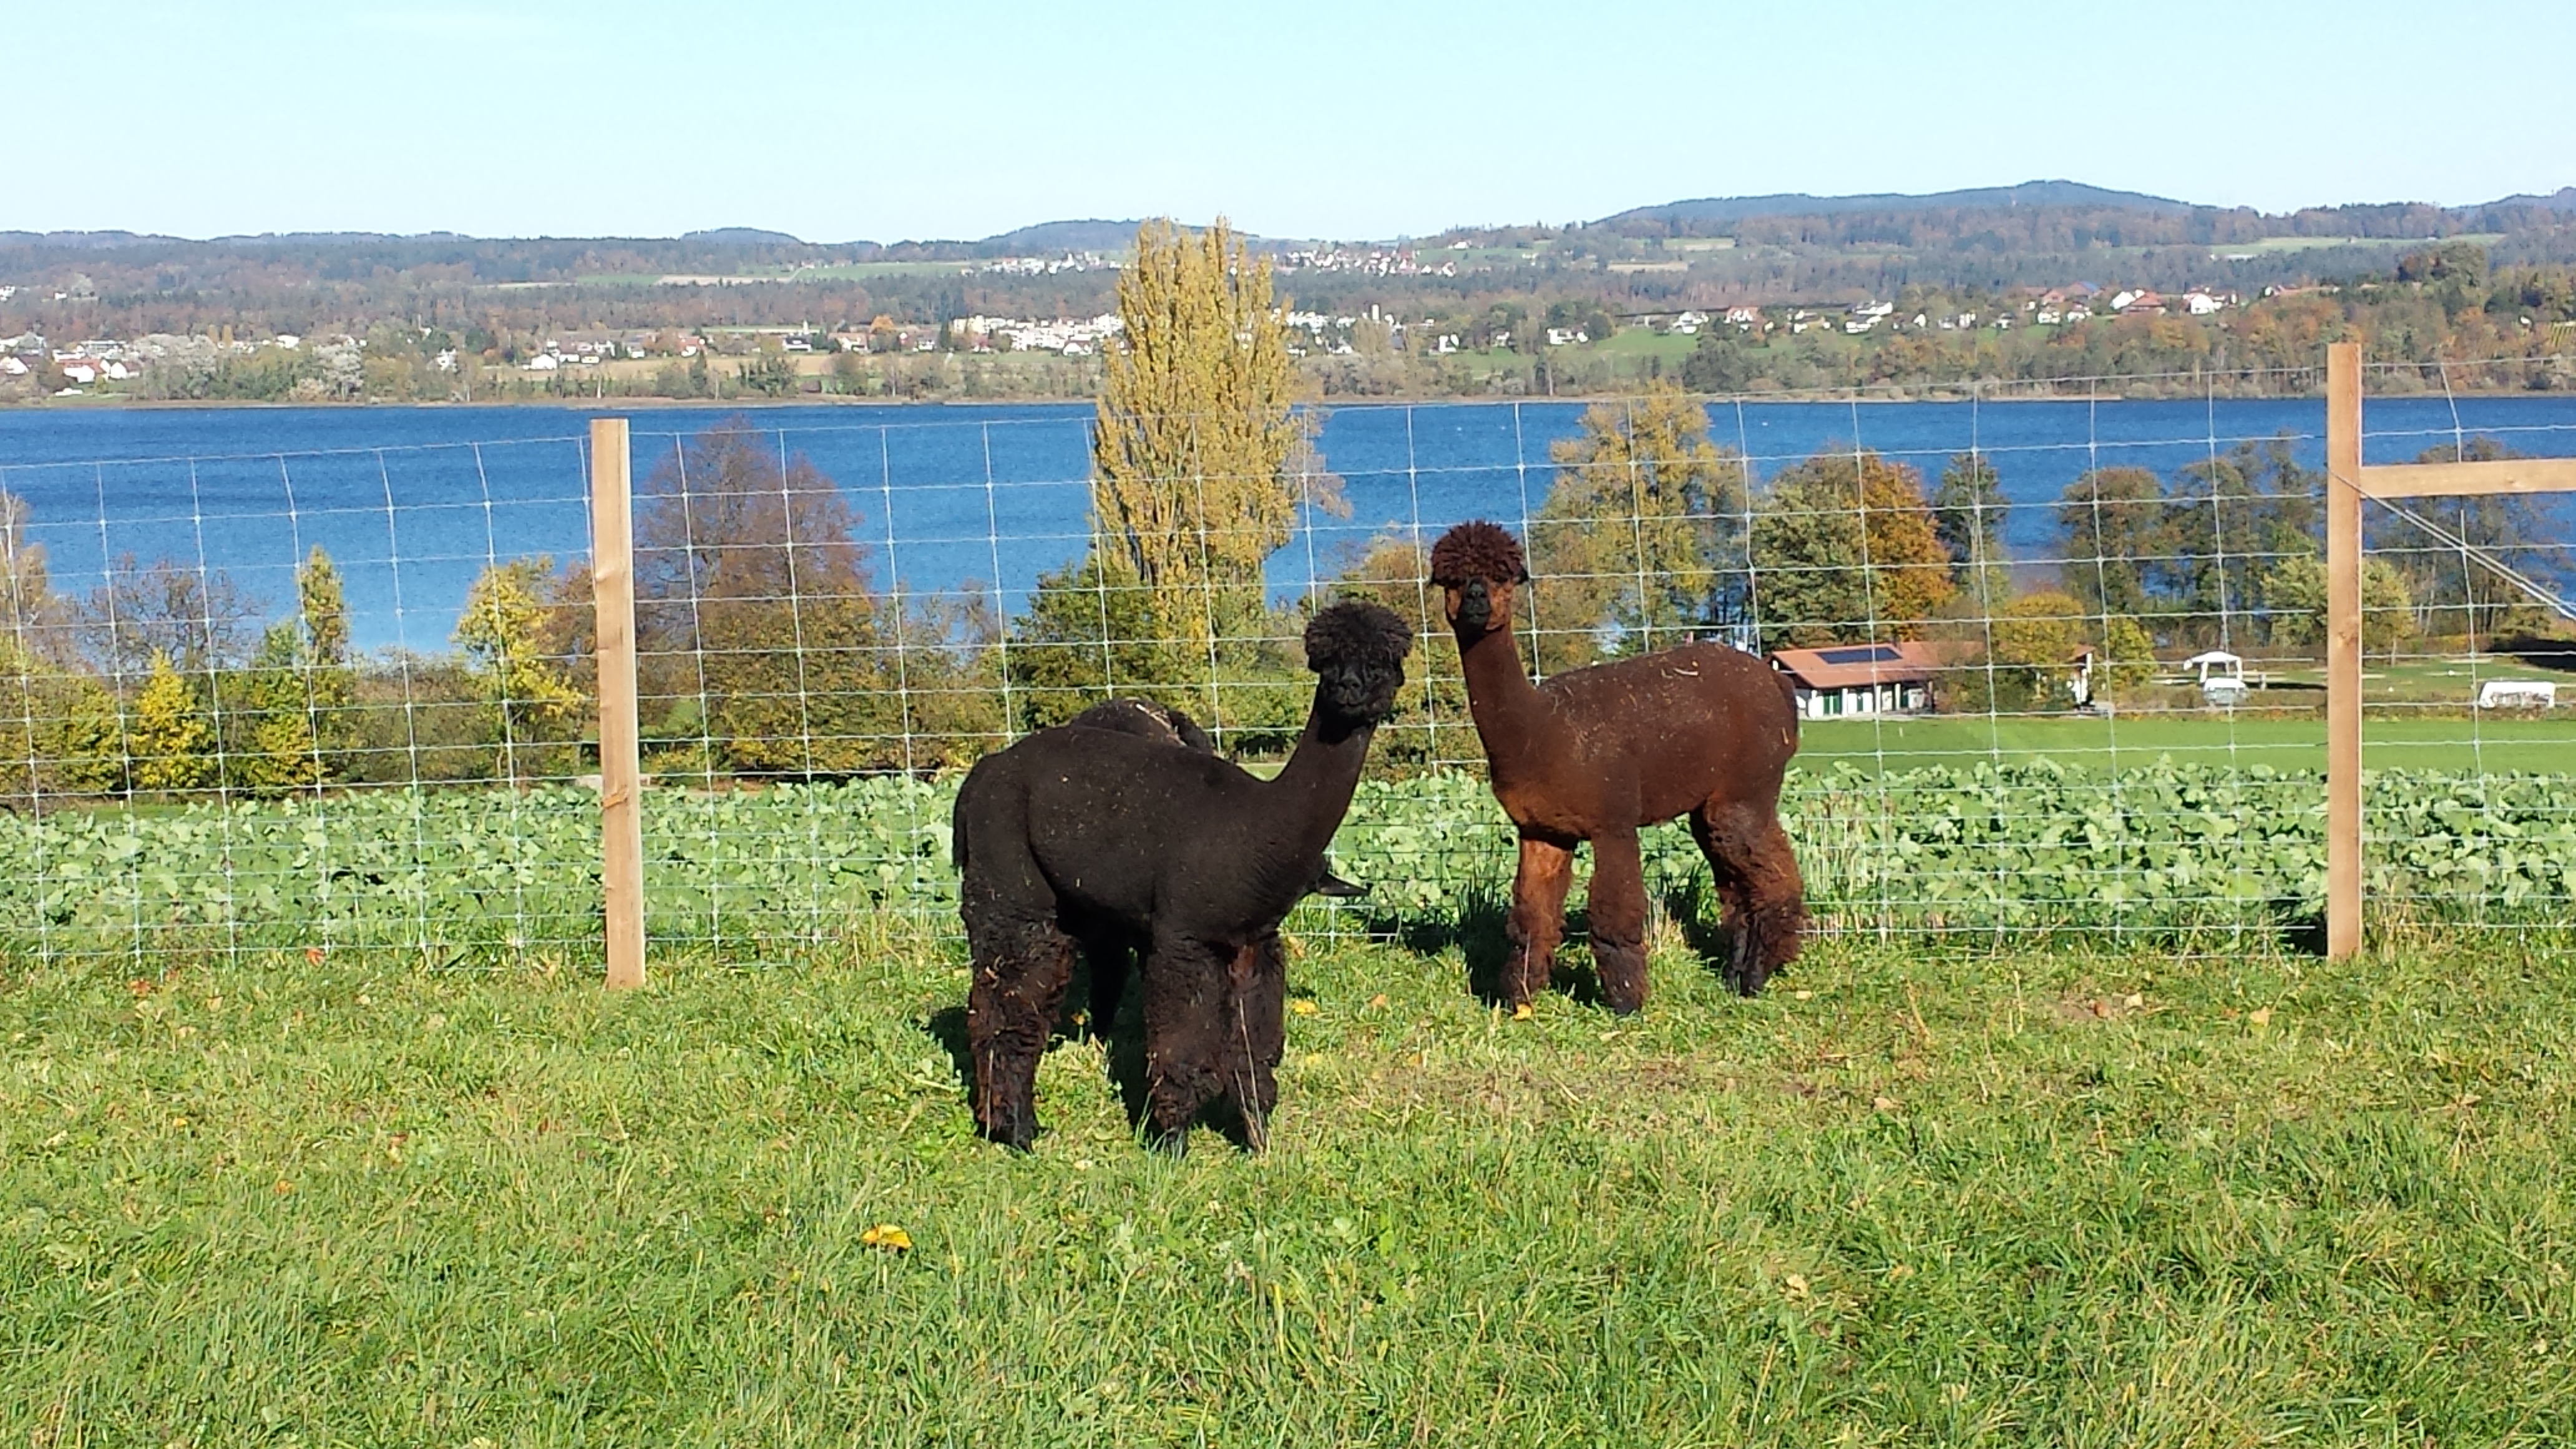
1851, 666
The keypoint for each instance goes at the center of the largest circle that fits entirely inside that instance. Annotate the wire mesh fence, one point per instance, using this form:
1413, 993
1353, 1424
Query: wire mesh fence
2058, 663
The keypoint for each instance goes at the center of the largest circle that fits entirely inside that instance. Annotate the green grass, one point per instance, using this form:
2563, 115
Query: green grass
2058, 1200
2456, 744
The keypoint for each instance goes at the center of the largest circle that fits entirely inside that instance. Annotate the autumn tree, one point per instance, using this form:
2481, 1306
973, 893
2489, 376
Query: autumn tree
1199, 457
1844, 551
763, 646
168, 738
2128, 656
1639, 536
503, 632
200, 618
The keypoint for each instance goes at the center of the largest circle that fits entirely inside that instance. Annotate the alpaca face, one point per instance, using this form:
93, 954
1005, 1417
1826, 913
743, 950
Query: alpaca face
1479, 569
1357, 652
1479, 606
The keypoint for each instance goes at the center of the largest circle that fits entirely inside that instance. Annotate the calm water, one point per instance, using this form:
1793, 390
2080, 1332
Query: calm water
413, 502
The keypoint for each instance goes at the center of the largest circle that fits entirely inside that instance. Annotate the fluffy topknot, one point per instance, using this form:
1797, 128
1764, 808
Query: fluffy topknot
1370, 638
1477, 550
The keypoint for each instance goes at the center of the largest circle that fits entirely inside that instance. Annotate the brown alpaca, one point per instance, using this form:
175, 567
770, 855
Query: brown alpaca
1595, 754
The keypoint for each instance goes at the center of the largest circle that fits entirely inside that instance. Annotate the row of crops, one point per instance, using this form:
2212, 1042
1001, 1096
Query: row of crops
2169, 854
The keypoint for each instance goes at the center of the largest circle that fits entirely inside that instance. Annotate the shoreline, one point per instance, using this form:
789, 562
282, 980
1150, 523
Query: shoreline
658, 404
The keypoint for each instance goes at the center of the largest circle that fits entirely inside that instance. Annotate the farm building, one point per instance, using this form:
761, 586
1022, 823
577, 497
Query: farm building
1860, 679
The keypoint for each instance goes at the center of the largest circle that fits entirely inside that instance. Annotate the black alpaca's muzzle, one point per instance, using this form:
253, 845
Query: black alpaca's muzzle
1475, 605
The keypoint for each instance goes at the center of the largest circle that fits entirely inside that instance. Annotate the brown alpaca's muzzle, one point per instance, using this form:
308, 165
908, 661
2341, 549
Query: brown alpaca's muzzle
1475, 606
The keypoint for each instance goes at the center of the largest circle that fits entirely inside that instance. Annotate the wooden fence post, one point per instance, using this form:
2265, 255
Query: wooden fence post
2343, 650
612, 580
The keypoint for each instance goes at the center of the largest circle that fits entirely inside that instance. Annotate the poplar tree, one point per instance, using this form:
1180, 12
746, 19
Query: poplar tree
1194, 475
330, 681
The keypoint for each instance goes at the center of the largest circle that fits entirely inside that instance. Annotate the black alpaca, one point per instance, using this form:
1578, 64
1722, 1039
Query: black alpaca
1080, 833
1109, 950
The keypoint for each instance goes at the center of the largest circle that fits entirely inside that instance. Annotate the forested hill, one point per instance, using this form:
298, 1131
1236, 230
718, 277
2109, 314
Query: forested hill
740, 309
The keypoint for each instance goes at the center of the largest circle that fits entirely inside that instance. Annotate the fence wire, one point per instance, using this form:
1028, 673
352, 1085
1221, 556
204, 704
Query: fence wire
2058, 664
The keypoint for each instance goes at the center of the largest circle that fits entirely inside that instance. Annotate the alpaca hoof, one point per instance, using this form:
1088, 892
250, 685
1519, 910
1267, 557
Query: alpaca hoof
1014, 1131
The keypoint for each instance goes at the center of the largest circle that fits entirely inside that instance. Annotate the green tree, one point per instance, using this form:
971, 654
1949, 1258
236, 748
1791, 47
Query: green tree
329, 679
169, 740
503, 633
2227, 519
1844, 551
2111, 530
1721, 361
2459, 590
279, 752
1968, 512
2295, 594
1639, 531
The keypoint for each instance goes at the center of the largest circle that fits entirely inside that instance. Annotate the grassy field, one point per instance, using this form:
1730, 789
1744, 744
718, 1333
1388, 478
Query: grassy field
2495, 746
2048, 1201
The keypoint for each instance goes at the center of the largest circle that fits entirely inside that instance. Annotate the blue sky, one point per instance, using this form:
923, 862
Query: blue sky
870, 120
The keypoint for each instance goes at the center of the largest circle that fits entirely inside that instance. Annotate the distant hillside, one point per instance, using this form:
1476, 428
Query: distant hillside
2028, 194
1059, 236
742, 236
2563, 199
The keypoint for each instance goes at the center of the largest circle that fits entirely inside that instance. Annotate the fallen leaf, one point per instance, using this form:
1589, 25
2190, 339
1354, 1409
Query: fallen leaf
887, 1236
1302, 1008
2136, 999
1883, 1104
2261, 1016
139, 986
313, 955
1802, 995
1521, 1012
1797, 1285
284, 1187
1378, 1000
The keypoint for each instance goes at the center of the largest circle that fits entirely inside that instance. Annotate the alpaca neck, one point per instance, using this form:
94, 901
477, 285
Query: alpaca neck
1311, 793
1512, 718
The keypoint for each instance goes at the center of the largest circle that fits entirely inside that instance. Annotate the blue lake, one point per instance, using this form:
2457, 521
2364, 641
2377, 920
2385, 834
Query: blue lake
413, 502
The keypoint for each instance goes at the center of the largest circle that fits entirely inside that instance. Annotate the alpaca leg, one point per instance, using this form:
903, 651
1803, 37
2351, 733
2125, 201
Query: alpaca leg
1188, 1019
1537, 920
1021, 971
1757, 878
1258, 1034
1110, 955
1618, 911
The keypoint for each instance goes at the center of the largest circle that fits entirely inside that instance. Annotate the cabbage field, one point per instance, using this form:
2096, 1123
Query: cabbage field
2164, 855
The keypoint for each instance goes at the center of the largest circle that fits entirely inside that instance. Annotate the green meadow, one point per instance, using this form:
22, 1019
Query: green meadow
2032, 1199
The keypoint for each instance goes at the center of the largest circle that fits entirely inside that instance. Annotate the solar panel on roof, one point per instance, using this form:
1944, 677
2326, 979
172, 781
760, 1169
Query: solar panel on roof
1862, 654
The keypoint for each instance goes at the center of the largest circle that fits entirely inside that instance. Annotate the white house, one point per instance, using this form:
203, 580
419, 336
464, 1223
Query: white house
1844, 681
